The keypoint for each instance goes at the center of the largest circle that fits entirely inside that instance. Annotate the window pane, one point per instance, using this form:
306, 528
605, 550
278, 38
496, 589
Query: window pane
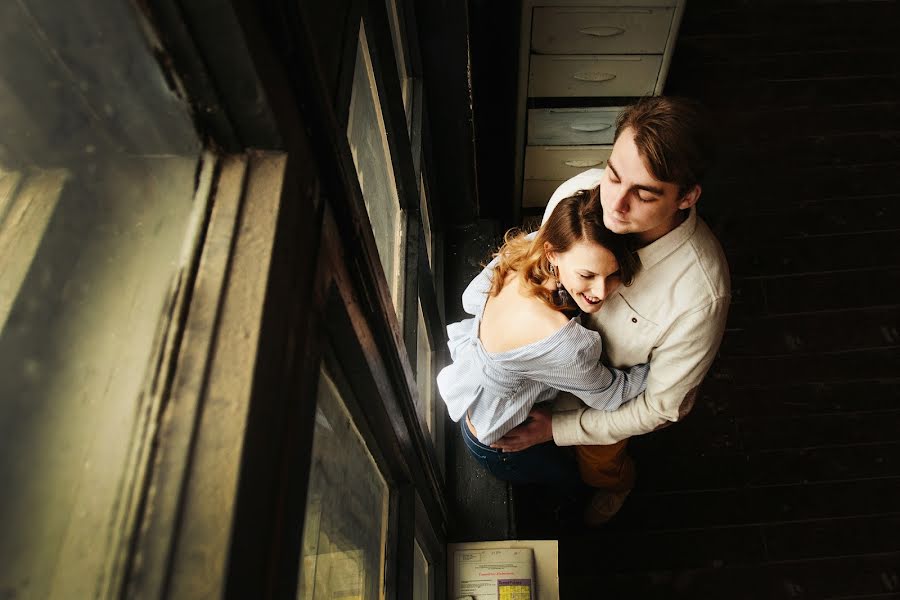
426, 222
97, 173
400, 54
421, 582
371, 156
344, 530
424, 373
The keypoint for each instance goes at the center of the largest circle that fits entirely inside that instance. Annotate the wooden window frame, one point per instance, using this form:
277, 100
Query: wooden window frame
321, 258
410, 155
392, 422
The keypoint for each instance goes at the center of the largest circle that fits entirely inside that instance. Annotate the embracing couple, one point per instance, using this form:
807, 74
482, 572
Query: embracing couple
600, 325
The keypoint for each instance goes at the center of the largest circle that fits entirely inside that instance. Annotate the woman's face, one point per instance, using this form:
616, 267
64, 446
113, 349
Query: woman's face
589, 272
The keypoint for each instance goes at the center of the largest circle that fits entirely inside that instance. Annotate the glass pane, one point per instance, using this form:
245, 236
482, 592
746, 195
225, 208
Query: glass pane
421, 583
344, 531
424, 373
400, 54
97, 172
426, 222
371, 156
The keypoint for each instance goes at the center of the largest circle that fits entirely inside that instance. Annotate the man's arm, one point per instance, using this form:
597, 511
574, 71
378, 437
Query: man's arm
677, 367
536, 430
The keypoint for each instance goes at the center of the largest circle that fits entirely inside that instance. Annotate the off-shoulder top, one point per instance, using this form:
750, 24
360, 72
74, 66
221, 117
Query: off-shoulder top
499, 389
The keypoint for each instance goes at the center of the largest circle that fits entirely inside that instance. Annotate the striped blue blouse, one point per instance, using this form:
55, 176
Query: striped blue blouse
498, 389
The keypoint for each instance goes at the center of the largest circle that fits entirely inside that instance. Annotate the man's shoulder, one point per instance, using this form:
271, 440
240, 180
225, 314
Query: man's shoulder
705, 255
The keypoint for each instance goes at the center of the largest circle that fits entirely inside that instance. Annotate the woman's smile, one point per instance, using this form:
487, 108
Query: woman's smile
590, 299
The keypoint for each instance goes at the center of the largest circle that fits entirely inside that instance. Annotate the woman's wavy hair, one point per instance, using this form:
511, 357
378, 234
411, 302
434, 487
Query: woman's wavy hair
575, 219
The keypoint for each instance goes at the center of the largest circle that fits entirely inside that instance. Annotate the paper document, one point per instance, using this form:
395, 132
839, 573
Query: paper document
495, 574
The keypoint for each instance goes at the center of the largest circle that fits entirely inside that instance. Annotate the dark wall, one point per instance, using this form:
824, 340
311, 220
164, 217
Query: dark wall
495, 53
444, 43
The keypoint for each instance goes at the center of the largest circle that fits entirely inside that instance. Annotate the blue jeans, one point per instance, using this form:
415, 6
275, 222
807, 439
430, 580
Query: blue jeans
544, 463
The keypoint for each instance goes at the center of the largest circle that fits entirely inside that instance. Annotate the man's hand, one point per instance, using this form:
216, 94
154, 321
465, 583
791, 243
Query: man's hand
536, 430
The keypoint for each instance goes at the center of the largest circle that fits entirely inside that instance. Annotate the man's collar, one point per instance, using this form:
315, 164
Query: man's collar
664, 246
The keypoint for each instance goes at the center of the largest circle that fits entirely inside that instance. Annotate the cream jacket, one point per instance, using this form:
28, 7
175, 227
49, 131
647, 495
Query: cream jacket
672, 316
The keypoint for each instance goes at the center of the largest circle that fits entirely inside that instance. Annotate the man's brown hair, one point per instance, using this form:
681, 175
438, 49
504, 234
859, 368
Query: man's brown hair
674, 137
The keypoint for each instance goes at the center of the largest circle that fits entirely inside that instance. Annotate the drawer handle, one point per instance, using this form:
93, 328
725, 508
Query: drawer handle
589, 127
581, 164
594, 76
602, 31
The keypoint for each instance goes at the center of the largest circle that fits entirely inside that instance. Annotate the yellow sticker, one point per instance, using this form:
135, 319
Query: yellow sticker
514, 592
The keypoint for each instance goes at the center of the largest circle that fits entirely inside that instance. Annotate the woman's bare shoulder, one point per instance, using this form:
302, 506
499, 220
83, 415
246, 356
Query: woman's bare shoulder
544, 319
513, 319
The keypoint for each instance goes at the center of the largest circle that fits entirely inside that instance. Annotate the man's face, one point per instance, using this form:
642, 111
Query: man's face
633, 200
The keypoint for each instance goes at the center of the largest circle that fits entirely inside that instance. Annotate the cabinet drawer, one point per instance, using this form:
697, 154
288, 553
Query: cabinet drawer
562, 162
600, 30
581, 75
572, 126
537, 192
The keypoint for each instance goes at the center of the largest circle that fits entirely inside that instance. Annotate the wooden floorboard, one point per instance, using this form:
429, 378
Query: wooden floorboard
823, 463
811, 431
818, 366
580, 555
774, 398
688, 510
842, 289
815, 332
869, 214
833, 537
817, 119
819, 254
858, 577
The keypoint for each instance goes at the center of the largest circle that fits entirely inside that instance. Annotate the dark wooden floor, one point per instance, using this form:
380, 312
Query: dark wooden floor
784, 482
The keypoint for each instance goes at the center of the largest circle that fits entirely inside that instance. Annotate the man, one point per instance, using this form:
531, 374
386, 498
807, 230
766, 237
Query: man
672, 316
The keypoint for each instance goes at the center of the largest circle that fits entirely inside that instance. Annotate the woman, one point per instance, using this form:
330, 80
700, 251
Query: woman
525, 341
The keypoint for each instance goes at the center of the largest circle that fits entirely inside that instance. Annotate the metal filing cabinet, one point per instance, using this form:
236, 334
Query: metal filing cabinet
579, 61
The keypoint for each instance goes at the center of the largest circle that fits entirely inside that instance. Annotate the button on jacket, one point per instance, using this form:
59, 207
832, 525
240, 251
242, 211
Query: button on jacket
672, 316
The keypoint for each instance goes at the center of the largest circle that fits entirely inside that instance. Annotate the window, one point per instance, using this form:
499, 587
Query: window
430, 334
371, 156
27, 201
156, 357
426, 222
429, 566
380, 359
422, 587
98, 162
406, 87
425, 374
345, 526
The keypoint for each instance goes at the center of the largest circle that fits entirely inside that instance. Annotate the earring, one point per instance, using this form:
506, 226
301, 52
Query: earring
560, 290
